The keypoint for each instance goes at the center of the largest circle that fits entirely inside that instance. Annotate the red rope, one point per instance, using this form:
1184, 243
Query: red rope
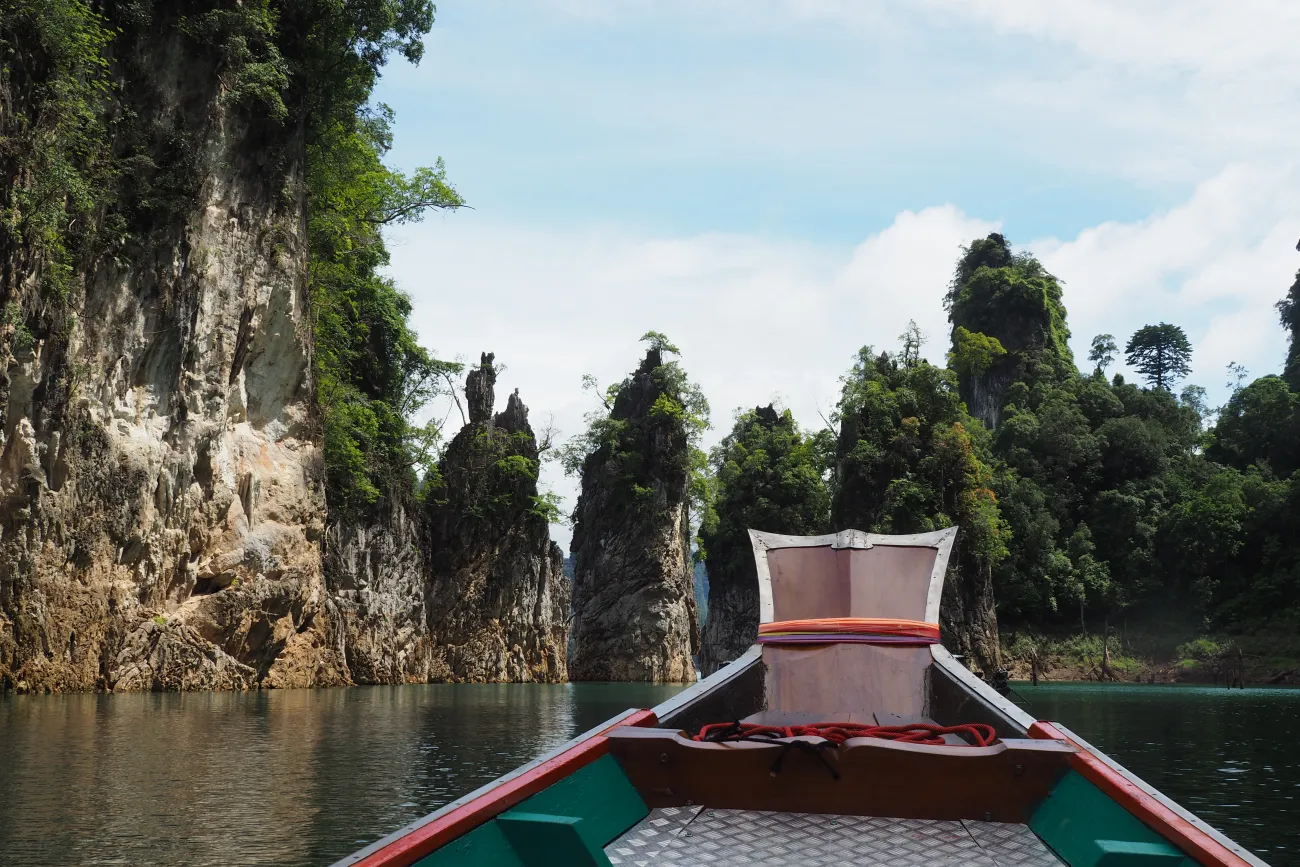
838, 732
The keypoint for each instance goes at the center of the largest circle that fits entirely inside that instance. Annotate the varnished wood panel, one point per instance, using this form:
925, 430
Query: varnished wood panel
1001, 783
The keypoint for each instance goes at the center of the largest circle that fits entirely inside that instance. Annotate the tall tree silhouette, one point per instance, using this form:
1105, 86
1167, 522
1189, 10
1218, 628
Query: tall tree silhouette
1160, 353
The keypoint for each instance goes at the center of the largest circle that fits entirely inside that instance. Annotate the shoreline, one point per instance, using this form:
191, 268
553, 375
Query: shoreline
1240, 661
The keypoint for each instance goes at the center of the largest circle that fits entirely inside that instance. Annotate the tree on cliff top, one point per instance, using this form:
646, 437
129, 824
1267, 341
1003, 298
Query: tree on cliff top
1102, 352
618, 428
911, 460
1288, 310
1160, 353
767, 477
1009, 296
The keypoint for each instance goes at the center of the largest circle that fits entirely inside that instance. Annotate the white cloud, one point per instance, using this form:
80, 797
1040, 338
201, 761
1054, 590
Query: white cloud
760, 319
1214, 265
756, 319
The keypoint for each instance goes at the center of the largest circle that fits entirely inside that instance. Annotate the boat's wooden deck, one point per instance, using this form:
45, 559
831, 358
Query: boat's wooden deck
700, 837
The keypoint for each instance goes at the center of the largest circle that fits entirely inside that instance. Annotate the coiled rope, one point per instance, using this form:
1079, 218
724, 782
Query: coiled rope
979, 734
834, 734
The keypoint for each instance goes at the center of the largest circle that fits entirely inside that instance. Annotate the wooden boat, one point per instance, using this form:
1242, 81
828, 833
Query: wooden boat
902, 780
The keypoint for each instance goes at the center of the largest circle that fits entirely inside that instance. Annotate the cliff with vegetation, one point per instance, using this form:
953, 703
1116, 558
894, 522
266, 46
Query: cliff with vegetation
206, 380
161, 476
497, 596
767, 476
633, 602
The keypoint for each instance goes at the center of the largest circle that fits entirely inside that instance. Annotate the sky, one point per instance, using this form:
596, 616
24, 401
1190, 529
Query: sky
776, 183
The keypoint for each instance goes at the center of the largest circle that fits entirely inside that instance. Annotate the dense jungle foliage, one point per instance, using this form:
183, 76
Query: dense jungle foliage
766, 474
1089, 499
91, 172
1083, 497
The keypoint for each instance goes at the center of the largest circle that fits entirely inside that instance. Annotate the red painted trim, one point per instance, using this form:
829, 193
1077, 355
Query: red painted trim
406, 850
1164, 821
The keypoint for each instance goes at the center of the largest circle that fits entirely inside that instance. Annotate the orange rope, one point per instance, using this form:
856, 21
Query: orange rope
889, 626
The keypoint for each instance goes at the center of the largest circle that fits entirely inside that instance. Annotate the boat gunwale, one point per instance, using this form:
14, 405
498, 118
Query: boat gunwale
489, 801
980, 690
1197, 839
1191, 833
702, 689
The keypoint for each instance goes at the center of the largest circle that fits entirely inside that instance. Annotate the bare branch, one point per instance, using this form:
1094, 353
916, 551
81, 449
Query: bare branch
547, 436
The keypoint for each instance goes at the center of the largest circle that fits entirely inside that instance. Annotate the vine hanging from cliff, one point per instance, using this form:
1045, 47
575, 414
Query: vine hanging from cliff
372, 374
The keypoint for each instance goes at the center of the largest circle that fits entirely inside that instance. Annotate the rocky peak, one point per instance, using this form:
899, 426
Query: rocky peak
497, 598
480, 391
514, 417
633, 603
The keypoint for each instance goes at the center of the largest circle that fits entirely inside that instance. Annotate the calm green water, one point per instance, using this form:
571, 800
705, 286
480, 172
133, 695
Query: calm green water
304, 777
297, 777
1230, 756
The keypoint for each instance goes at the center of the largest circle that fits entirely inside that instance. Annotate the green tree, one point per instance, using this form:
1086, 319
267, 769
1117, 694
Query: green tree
1103, 352
1259, 427
1161, 353
767, 478
372, 374
973, 353
1288, 310
910, 460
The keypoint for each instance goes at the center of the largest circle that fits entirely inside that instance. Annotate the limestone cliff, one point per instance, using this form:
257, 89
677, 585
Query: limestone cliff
163, 512
160, 499
633, 605
498, 598
1012, 298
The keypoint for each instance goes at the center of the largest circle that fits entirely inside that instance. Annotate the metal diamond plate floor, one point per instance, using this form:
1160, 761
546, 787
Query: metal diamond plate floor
695, 837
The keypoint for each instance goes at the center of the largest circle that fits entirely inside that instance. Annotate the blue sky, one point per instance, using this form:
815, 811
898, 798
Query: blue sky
775, 183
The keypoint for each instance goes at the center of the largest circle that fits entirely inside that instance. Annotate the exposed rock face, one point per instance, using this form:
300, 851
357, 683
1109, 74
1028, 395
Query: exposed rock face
967, 613
160, 496
497, 598
633, 604
377, 577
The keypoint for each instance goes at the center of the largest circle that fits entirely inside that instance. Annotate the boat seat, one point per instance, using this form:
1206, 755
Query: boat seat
1000, 783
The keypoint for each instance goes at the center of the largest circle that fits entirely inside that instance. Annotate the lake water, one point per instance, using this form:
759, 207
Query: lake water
305, 777
1229, 756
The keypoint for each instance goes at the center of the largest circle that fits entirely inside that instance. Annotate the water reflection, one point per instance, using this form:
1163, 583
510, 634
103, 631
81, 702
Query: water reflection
287, 778
304, 777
